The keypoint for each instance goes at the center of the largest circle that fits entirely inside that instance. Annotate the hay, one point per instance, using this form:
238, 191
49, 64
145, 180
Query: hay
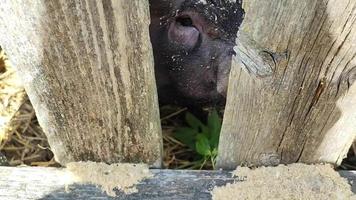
12, 96
22, 140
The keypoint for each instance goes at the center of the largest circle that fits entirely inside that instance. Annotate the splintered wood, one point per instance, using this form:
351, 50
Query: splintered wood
297, 181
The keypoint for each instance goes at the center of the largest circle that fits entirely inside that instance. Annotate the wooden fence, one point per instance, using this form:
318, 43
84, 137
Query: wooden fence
87, 67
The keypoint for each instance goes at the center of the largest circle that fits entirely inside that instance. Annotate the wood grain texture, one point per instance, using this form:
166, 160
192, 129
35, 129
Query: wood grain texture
305, 111
27, 183
351, 178
87, 67
50, 184
254, 59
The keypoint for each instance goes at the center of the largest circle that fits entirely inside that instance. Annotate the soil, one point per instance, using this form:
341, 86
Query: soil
108, 177
296, 181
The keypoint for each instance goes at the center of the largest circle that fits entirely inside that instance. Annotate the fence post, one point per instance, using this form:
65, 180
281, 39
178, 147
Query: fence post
305, 111
87, 67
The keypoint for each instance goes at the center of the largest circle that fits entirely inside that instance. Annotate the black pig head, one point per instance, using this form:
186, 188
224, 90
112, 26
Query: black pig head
193, 44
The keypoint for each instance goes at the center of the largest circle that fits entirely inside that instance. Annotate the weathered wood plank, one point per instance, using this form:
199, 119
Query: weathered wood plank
49, 183
351, 177
87, 67
305, 111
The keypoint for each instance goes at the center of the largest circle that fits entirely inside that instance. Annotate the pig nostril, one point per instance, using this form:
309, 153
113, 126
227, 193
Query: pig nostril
185, 21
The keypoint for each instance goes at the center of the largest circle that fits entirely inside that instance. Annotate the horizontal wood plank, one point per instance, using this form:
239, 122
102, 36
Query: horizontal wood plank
351, 177
50, 183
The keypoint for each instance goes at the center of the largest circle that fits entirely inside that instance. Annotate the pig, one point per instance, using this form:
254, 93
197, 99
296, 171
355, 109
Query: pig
193, 45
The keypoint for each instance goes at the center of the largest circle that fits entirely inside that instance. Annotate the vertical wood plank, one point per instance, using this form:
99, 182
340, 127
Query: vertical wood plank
305, 111
87, 67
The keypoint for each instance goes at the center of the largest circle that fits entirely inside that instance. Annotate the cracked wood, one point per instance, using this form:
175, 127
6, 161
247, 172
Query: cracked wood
306, 110
87, 67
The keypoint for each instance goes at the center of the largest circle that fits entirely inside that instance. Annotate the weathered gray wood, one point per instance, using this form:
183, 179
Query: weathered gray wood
351, 177
87, 67
257, 61
306, 110
49, 183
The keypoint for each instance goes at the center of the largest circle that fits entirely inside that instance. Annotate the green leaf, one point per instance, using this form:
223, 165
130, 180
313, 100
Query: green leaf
214, 122
186, 136
194, 122
214, 125
205, 130
202, 145
214, 152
